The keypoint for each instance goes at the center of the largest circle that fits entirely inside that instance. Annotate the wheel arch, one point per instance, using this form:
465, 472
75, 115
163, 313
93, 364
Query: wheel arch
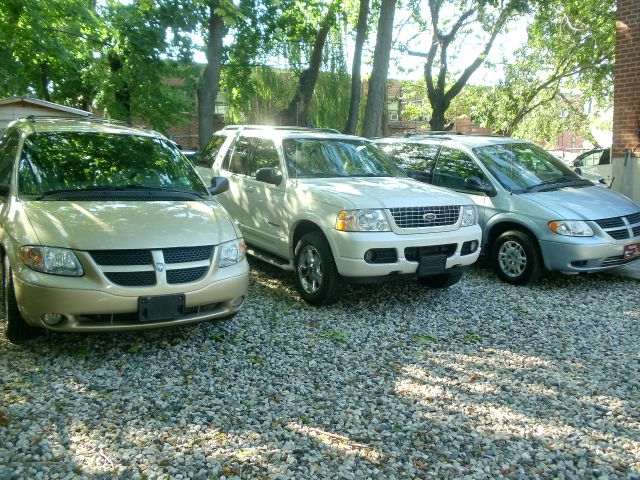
302, 228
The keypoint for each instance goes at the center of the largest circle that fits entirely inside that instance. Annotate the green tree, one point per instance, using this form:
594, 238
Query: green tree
569, 54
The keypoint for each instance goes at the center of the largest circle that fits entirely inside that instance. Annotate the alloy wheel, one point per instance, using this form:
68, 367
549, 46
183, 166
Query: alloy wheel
512, 259
310, 269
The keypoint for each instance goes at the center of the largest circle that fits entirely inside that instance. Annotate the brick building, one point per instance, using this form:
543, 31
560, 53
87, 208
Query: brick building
626, 110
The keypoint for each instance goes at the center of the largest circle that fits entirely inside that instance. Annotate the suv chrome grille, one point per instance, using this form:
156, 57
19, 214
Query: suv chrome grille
621, 228
138, 265
424, 217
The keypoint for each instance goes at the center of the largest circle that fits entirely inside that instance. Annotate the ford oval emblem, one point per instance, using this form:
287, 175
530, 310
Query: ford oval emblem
429, 217
159, 267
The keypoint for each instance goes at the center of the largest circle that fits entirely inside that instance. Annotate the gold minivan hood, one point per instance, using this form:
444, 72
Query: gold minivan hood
114, 225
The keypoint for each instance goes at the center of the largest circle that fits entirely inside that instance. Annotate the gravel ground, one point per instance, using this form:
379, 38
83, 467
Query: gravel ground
483, 380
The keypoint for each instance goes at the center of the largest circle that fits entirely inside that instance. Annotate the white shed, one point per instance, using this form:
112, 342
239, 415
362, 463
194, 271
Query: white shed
13, 108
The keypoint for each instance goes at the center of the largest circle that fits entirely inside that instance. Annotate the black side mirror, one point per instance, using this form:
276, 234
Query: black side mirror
578, 170
218, 185
268, 175
476, 183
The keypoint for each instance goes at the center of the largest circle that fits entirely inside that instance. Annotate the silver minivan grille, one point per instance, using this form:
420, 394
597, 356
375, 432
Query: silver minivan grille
424, 217
621, 228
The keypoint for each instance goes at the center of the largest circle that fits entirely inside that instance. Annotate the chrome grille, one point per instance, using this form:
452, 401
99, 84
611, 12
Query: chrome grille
424, 217
621, 228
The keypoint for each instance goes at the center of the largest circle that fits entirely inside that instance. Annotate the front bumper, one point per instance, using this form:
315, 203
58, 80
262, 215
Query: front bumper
350, 247
90, 310
576, 257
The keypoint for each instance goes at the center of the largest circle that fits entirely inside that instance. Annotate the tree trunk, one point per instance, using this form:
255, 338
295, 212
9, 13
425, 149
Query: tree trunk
207, 90
356, 80
297, 112
372, 126
122, 93
44, 82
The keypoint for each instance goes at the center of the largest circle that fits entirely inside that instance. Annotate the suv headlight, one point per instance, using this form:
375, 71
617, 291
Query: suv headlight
232, 252
366, 220
469, 215
56, 261
571, 228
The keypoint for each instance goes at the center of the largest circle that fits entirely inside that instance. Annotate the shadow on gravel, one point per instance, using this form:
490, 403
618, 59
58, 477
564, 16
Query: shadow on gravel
484, 380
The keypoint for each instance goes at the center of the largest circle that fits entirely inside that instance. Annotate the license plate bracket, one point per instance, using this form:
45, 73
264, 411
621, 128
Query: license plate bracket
432, 265
631, 251
161, 307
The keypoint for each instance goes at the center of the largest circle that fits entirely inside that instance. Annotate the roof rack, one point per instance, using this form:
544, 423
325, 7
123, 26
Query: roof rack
32, 118
432, 132
279, 127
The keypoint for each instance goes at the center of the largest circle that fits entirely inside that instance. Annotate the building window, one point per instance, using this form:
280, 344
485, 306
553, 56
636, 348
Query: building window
393, 116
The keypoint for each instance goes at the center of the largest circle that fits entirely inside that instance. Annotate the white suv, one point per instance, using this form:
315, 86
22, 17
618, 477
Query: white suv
334, 209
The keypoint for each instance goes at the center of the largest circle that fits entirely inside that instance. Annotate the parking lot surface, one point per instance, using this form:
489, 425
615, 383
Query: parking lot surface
482, 380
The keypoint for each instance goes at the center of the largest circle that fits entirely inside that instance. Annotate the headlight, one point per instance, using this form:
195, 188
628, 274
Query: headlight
571, 228
232, 252
469, 215
57, 261
366, 220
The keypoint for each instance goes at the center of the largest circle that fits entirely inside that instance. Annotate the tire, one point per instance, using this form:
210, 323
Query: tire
443, 280
316, 275
17, 330
516, 258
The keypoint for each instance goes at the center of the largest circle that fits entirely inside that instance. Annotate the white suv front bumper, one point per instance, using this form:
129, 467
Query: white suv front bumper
349, 250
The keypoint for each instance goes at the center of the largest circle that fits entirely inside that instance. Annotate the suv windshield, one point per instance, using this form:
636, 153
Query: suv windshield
330, 157
54, 162
524, 166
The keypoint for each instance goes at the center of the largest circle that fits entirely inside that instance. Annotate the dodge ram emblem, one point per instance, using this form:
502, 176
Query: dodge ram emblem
429, 217
159, 267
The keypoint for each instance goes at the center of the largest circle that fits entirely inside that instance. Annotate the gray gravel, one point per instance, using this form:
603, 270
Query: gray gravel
483, 380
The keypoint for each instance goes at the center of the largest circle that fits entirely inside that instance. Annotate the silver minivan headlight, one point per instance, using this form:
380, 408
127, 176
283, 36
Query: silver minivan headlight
571, 228
469, 215
232, 252
56, 261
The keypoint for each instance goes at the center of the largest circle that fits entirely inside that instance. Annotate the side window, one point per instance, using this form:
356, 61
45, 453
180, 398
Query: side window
416, 156
210, 152
264, 155
8, 150
239, 157
590, 160
453, 168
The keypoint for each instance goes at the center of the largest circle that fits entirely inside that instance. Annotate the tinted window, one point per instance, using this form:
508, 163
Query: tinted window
453, 168
8, 150
239, 157
336, 157
210, 152
264, 155
79, 160
413, 156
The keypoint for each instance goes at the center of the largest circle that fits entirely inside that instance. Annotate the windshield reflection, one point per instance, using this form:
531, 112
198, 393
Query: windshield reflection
327, 157
521, 166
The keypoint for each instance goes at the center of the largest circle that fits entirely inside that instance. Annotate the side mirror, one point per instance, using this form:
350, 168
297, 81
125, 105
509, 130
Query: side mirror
218, 185
578, 170
268, 175
476, 183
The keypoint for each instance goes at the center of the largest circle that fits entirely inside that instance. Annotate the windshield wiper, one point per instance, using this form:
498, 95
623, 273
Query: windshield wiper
116, 188
370, 175
561, 180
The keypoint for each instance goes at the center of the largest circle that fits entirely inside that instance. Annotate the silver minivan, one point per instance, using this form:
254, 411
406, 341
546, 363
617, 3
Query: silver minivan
535, 211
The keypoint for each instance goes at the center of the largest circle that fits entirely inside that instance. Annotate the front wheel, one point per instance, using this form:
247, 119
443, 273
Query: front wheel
317, 277
17, 330
516, 258
443, 280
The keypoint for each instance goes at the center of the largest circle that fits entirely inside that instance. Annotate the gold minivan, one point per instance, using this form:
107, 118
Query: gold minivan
106, 227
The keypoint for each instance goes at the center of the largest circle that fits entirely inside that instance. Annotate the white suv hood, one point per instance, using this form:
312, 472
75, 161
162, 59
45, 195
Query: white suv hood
381, 192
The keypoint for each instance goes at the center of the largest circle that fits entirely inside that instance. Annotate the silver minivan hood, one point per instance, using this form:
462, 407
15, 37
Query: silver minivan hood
587, 203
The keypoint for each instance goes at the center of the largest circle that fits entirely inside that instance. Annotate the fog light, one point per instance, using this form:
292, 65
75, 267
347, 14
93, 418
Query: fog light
369, 256
52, 318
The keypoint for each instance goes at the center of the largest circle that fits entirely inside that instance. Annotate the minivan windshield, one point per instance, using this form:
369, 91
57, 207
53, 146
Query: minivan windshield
527, 167
54, 162
335, 157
